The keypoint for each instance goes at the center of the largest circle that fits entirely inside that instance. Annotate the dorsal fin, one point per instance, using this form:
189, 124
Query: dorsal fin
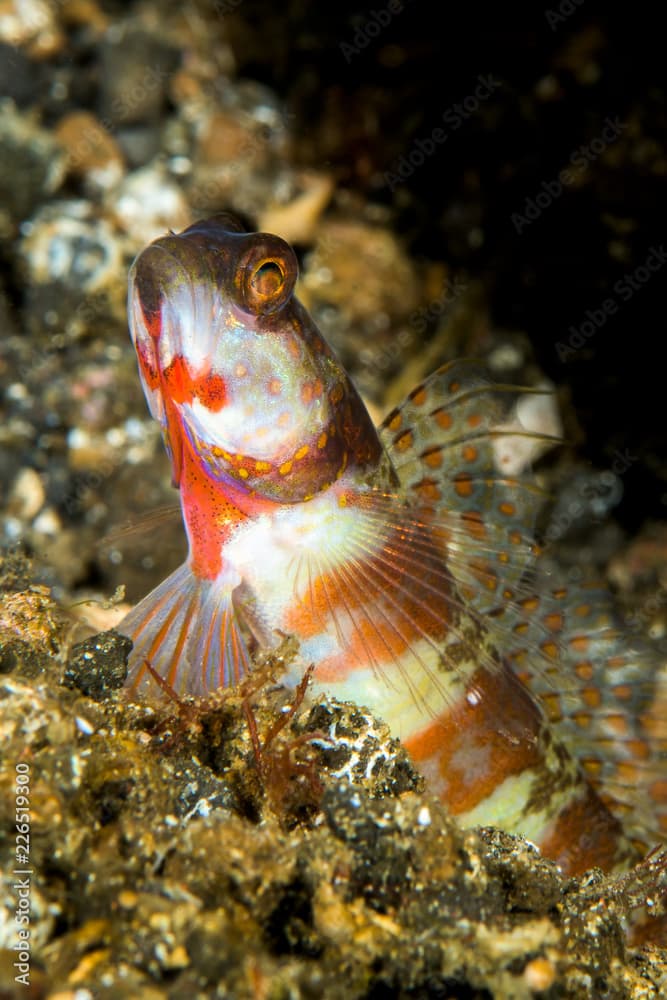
462, 446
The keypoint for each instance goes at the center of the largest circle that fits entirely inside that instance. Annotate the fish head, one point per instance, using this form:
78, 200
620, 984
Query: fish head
234, 368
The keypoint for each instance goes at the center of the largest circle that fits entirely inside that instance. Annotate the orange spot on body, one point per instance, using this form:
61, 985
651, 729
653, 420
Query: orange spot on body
428, 490
404, 441
322, 440
443, 419
418, 396
658, 790
592, 767
211, 392
395, 422
591, 697
639, 749
433, 458
293, 346
552, 707
473, 524
470, 453
507, 508
474, 420
584, 670
622, 691
618, 724
463, 485
628, 773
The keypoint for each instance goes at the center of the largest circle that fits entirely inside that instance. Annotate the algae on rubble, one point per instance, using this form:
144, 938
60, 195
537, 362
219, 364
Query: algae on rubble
231, 848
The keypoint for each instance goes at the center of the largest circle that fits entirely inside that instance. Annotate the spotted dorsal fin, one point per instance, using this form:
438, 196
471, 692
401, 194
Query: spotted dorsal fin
462, 446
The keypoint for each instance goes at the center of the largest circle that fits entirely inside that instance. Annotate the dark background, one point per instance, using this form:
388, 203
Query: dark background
360, 112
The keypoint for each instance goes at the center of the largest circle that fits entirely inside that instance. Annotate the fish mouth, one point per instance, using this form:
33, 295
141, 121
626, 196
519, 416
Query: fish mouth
241, 468
289, 478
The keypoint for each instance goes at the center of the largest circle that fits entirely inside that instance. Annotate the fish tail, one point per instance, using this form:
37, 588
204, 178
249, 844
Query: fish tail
186, 631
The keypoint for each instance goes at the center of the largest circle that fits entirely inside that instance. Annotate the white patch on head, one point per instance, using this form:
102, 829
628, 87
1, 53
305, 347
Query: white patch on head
188, 322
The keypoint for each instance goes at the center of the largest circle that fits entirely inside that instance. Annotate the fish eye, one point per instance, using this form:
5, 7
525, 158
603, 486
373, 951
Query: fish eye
267, 275
267, 279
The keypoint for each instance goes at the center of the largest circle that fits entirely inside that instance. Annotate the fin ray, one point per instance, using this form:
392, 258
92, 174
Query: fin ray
187, 630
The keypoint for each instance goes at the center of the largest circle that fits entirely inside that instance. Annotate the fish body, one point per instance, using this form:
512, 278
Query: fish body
401, 557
